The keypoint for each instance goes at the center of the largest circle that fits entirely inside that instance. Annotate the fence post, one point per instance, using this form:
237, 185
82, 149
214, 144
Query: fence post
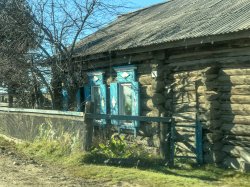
165, 141
172, 142
88, 128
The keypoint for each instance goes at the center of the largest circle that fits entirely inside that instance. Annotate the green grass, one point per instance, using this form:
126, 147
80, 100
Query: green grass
150, 175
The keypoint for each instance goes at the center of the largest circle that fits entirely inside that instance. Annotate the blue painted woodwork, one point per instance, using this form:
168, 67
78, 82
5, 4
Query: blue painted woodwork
114, 104
125, 74
136, 102
87, 93
97, 79
103, 90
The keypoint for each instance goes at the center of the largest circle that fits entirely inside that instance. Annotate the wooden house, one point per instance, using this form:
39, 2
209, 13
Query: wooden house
184, 59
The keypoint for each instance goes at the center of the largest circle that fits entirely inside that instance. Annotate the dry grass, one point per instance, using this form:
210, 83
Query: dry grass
155, 175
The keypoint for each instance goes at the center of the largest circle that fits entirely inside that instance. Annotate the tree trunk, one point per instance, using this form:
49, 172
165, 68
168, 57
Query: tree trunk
56, 83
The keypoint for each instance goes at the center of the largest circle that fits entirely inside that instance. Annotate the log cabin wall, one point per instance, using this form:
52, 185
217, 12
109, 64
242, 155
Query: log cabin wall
211, 80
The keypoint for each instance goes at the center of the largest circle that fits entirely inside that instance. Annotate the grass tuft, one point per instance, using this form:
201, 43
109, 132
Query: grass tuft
149, 172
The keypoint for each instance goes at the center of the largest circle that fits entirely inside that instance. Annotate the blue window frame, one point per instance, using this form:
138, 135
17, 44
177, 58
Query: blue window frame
96, 92
124, 96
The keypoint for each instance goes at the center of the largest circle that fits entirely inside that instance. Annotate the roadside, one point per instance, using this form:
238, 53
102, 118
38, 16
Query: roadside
16, 170
47, 164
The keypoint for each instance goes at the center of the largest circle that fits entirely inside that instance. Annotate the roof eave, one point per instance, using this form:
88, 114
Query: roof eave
244, 34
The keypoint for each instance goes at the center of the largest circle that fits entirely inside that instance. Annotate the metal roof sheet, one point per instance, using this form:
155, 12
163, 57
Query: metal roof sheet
169, 21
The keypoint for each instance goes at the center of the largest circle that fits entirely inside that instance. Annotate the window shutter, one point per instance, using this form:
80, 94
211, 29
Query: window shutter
103, 96
136, 101
87, 93
65, 99
78, 101
114, 101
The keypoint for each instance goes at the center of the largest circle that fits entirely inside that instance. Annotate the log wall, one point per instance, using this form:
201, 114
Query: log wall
211, 81
214, 83
235, 114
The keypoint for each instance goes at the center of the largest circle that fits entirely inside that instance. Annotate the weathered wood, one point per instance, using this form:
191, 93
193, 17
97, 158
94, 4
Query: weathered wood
185, 117
181, 75
235, 119
214, 136
232, 162
209, 54
147, 104
208, 106
237, 137
236, 71
243, 112
144, 68
205, 98
118, 60
154, 113
158, 99
185, 148
159, 55
165, 141
236, 99
179, 95
88, 131
147, 91
145, 79
210, 115
212, 124
168, 104
185, 137
184, 108
237, 151
183, 88
157, 86
237, 129
214, 157
235, 80
207, 146
189, 42
122, 117
240, 143
185, 99
235, 89
208, 62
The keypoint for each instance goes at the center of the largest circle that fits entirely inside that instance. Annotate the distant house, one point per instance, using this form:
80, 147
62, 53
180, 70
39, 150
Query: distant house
187, 59
4, 99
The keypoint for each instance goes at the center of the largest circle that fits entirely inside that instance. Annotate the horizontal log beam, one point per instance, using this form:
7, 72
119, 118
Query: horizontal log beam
122, 117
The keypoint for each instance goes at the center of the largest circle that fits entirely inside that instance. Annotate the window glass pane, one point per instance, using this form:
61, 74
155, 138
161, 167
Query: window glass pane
126, 100
96, 98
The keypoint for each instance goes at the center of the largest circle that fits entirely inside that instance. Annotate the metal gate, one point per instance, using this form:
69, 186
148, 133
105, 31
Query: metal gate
198, 147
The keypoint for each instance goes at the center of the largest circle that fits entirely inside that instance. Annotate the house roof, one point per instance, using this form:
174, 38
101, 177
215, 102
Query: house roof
170, 21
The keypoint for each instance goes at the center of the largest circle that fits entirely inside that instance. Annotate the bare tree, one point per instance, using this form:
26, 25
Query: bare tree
15, 42
59, 25
49, 37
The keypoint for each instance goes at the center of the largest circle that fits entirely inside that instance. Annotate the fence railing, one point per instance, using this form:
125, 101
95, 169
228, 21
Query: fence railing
166, 142
132, 118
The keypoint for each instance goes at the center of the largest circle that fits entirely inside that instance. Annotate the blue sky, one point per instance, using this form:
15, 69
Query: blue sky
145, 3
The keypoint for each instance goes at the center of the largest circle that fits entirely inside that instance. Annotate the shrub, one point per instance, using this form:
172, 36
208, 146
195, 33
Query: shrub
118, 147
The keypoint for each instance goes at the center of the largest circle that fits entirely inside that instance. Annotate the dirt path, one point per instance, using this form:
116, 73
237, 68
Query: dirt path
18, 171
